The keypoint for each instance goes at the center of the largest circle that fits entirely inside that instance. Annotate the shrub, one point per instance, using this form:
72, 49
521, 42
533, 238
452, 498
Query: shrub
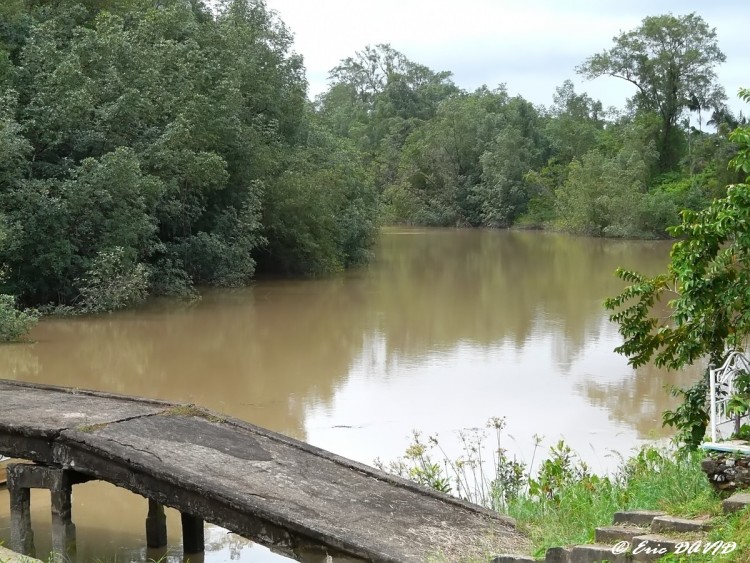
113, 282
14, 323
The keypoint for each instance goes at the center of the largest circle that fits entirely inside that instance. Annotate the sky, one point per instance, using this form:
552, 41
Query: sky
532, 46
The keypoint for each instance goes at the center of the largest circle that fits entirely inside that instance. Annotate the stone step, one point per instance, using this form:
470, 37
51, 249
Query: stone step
651, 547
614, 534
672, 524
558, 555
510, 558
640, 518
596, 553
736, 502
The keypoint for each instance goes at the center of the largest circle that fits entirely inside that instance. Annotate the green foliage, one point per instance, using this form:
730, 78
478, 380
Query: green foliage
112, 282
739, 403
14, 323
560, 470
181, 135
709, 277
467, 476
691, 417
320, 212
576, 125
518, 148
441, 156
607, 195
564, 501
671, 61
440, 162
172, 133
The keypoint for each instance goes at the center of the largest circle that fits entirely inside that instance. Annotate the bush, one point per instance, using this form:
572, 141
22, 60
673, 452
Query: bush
14, 323
562, 501
113, 282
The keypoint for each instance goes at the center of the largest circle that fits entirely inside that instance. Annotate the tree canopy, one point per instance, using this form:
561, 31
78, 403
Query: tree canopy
700, 307
149, 147
671, 60
164, 144
708, 280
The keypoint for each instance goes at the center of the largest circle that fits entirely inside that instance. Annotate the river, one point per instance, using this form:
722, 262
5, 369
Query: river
443, 330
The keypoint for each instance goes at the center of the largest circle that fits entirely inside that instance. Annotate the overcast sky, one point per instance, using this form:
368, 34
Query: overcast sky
531, 45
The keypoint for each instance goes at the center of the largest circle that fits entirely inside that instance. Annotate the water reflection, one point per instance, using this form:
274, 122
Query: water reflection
445, 329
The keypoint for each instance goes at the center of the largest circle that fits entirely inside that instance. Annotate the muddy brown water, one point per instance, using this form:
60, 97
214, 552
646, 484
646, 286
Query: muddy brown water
443, 330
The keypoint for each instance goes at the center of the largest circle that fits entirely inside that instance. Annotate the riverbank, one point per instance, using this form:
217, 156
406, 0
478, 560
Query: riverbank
561, 502
443, 330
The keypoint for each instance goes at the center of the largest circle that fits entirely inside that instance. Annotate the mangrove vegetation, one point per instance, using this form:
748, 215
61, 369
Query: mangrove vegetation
147, 148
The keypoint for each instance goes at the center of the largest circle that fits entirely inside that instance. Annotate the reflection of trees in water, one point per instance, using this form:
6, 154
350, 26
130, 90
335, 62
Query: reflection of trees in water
18, 361
264, 353
490, 286
257, 353
640, 400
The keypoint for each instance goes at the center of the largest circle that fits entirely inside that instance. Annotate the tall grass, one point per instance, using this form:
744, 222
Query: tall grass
561, 501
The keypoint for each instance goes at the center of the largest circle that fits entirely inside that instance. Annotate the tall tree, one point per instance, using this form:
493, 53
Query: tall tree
575, 123
164, 143
671, 61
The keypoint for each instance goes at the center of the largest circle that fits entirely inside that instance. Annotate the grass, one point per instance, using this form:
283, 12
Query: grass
651, 480
192, 410
561, 502
88, 428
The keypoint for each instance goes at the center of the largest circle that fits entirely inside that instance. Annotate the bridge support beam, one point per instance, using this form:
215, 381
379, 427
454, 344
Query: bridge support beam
192, 534
24, 477
156, 530
156, 525
21, 534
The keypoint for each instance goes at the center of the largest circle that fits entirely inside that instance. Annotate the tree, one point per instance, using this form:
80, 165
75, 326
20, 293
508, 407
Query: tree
708, 279
151, 144
575, 124
440, 161
670, 60
605, 190
378, 98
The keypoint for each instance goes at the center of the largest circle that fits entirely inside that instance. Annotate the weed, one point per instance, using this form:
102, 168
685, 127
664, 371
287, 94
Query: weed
192, 410
562, 501
88, 428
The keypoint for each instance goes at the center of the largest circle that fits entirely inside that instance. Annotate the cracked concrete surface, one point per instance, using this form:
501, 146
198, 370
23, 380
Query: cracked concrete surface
257, 483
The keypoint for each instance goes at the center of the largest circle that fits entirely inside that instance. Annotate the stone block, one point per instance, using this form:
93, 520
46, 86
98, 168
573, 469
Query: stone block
652, 547
640, 518
736, 502
681, 525
8, 556
596, 553
614, 534
558, 555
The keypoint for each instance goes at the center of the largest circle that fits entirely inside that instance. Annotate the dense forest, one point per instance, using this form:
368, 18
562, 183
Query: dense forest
149, 146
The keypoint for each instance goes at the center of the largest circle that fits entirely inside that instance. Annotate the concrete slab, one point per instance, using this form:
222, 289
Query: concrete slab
596, 553
651, 547
558, 554
640, 518
736, 502
257, 483
674, 524
614, 534
8, 556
